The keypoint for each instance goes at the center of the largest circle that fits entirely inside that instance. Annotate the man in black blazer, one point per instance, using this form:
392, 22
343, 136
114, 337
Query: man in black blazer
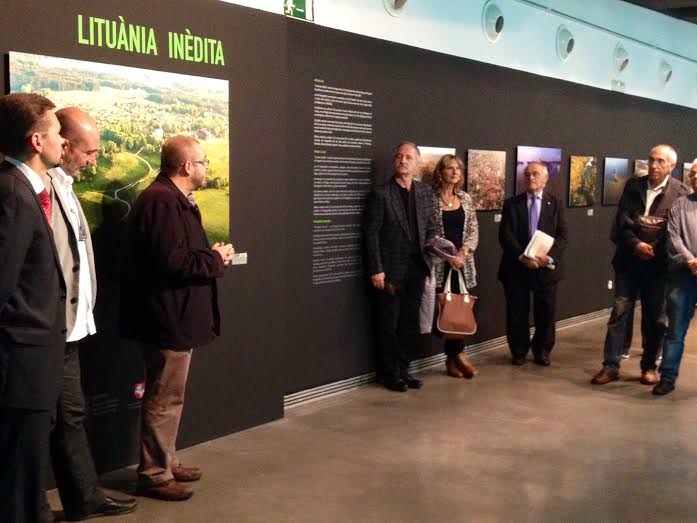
398, 222
641, 263
535, 209
32, 304
169, 303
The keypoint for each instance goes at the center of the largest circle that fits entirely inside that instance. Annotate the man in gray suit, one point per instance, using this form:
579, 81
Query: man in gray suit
398, 222
73, 466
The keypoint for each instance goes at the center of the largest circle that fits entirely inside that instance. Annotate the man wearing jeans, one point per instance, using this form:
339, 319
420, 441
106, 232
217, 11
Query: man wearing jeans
640, 263
169, 304
682, 283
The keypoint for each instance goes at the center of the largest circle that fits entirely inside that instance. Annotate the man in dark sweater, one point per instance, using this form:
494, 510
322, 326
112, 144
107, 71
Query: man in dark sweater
641, 262
169, 304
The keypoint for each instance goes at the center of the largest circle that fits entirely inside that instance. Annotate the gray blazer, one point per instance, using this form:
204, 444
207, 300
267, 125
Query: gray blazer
387, 234
66, 245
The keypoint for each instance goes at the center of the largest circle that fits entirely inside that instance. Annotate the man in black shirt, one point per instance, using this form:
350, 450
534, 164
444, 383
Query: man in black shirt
399, 221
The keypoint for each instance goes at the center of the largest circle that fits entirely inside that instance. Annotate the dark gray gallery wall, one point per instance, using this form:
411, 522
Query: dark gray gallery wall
440, 100
281, 334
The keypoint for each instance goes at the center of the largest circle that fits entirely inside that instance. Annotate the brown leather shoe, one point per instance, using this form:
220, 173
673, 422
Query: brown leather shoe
649, 377
468, 370
606, 375
186, 474
452, 369
167, 491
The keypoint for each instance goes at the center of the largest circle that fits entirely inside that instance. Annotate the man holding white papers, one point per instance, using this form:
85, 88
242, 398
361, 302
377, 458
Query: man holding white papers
536, 275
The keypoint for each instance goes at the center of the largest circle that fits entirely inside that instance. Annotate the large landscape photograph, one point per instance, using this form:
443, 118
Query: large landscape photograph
136, 110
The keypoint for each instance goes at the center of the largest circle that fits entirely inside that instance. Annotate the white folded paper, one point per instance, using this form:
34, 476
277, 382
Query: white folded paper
539, 245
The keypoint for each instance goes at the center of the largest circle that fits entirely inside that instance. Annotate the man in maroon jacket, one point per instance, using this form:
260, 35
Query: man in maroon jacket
169, 304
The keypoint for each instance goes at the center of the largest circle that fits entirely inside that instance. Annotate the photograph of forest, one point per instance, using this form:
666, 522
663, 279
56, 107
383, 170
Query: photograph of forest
136, 110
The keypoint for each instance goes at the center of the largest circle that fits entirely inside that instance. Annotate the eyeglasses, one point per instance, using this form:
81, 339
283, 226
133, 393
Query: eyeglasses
205, 162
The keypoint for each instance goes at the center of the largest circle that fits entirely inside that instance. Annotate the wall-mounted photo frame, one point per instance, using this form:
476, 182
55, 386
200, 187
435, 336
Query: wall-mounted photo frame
641, 168
616, 174
583, 180
550, 156
429, 159
486, 178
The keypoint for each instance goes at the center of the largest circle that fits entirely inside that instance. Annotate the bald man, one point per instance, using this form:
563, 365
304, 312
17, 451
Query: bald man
169, 304
73, 467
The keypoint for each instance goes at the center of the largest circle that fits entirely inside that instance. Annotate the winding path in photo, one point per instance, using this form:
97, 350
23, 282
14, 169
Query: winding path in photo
133, 184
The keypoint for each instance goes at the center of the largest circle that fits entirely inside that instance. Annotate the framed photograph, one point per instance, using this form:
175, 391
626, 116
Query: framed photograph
686, 167
486, 178
641, 168
551, 157
429, 159
583, 180
136, 110
615, 176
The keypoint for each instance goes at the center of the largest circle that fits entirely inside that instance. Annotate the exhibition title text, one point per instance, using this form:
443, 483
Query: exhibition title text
133, 38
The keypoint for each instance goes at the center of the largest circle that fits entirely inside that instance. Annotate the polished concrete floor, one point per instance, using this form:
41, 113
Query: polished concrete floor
514, 444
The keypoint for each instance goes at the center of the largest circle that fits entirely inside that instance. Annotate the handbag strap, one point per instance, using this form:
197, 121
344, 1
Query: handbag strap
446, 286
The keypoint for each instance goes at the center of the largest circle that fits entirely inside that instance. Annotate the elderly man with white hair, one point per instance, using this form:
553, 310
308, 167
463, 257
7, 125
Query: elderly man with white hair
641, 263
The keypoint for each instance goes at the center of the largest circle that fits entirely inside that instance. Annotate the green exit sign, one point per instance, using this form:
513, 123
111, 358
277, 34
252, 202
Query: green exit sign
301, 9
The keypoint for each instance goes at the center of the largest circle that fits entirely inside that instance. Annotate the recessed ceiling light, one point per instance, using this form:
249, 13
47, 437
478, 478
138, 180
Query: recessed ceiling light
492, 21
394, 7
565, 42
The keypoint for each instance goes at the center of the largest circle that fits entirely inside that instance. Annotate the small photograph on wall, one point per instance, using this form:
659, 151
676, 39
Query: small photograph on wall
686, 168
583, 180
641, 168
136, 111
616, 175
550, 156
429, 159
486, 179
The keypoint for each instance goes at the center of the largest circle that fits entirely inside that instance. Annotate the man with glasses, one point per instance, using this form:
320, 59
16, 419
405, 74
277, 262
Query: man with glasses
682, 283
169, 304
641, 263
73, 467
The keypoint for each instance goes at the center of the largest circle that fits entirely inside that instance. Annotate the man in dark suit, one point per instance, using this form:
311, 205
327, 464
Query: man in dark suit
169, 304
535, 209
398, 222
73, 467
641, 263
32, 304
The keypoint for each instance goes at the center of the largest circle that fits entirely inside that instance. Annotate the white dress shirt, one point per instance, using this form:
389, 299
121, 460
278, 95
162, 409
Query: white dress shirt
84, 317
34, 179
653, 192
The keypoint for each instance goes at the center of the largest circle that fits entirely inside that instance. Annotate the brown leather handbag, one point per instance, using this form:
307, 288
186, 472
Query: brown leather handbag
456, 311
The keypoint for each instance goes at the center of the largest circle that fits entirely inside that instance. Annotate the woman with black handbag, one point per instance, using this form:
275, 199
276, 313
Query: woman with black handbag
456, 220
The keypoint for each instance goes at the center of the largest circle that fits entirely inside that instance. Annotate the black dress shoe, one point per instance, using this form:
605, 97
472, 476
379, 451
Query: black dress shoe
543, 360
662, 388
110, 507
518, 360
396, 384
412, 382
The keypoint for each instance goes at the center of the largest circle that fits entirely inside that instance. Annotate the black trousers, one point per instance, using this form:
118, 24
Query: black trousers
73, 467
396, 323
544, 298
23, 465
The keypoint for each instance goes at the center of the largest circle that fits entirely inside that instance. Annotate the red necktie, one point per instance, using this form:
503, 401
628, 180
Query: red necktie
45, 200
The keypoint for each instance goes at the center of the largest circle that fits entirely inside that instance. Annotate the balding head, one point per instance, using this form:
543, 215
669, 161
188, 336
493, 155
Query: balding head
182, 159
662, 160
81, 140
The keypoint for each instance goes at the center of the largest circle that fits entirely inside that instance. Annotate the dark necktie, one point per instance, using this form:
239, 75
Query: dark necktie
45, 200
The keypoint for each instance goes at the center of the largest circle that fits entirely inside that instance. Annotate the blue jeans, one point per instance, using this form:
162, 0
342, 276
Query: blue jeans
680, 307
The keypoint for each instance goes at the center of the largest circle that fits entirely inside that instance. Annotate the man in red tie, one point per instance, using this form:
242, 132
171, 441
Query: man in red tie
32, 304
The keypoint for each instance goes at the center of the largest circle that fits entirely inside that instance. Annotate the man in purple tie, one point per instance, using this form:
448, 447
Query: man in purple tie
524, 277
